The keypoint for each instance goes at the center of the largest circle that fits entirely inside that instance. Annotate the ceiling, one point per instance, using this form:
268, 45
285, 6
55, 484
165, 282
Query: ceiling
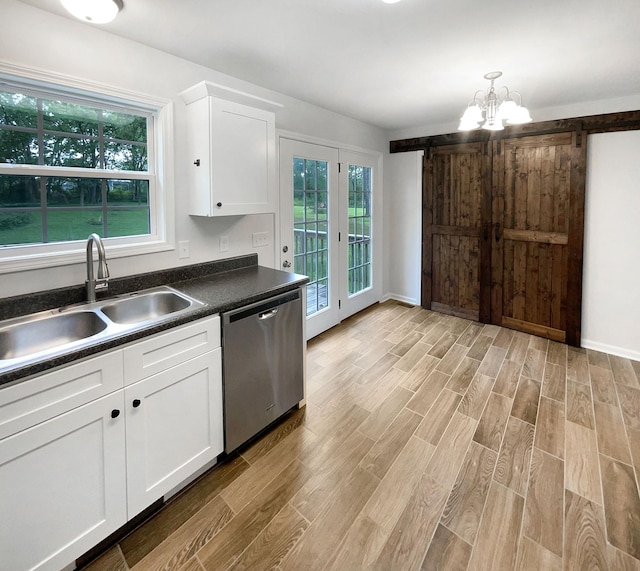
417, 62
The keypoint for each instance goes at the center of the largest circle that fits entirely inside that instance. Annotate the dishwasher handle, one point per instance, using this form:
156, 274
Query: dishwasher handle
260, 309
268, 314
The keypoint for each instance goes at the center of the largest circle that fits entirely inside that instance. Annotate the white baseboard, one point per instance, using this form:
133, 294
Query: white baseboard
401, 298
611, 349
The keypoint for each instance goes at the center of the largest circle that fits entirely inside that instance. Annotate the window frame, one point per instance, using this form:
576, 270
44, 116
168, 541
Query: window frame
159, 168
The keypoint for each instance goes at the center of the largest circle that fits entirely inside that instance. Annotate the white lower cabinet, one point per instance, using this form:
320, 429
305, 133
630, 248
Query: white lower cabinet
62, 486
71, 477
174, 427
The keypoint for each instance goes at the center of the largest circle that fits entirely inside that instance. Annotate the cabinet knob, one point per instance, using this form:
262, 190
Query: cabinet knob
136, 403
197, 162
115, 413
219, 205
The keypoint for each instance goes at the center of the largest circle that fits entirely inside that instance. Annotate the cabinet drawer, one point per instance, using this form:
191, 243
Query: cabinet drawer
165, 350
41, 398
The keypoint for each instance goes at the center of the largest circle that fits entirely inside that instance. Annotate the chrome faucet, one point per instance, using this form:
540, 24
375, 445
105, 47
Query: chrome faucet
102, 283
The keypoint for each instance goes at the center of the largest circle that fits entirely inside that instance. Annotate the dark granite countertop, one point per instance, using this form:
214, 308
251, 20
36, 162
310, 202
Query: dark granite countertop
222, 285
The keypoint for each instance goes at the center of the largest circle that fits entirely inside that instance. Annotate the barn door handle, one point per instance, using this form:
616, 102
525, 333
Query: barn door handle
497, 231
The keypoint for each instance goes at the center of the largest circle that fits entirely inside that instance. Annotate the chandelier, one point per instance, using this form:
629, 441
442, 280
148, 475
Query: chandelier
492, 109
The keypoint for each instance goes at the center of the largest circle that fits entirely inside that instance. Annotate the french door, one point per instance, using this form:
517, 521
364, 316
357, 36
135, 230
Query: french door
329, 230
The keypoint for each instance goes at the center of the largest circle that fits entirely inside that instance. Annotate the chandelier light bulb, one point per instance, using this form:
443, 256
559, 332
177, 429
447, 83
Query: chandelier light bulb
507, 109
519, 116
93, 11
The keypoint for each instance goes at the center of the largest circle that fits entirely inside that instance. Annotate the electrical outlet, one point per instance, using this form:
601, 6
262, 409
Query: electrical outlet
224, 243
183, 249
260, 239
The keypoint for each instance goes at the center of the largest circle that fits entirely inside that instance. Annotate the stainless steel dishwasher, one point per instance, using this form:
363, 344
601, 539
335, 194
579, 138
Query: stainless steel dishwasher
262, 352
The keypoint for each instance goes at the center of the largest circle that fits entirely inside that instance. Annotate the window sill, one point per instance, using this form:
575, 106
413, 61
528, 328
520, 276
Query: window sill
22, 262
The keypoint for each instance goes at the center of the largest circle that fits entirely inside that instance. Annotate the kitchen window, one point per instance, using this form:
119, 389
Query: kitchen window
72, 163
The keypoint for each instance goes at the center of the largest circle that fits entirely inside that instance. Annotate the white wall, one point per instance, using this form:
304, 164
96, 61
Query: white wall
37, 39
403, 230
611, 291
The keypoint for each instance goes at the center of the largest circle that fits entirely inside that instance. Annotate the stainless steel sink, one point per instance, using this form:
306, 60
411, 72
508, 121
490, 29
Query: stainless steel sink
32, 338
44, 333
146, 306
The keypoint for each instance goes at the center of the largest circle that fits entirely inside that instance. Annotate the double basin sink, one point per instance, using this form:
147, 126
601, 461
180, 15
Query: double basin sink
26, 340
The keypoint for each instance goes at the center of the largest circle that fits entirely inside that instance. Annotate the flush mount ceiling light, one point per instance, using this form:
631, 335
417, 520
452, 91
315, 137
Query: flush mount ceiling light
491, 109
93, 11
390, 1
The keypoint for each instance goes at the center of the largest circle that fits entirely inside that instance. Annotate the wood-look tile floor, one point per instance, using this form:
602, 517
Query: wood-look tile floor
428, 443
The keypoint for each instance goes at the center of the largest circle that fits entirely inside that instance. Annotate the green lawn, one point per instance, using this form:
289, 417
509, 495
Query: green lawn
70, 225
299, 216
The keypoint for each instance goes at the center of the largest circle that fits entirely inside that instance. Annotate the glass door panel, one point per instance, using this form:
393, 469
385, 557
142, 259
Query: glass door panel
311, 244
309, 220
361, 252
359, 260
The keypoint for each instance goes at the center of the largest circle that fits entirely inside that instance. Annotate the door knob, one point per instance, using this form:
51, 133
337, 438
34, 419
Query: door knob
285, 249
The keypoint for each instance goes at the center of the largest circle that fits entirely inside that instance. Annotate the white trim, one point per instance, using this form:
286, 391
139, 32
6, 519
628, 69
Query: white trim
401, 298
611, 349
160, 156
32, 75
40, 170
56, 259
282, 134
208, 88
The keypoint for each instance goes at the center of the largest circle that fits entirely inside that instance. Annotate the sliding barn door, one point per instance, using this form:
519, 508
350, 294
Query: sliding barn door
455, 249
538, 214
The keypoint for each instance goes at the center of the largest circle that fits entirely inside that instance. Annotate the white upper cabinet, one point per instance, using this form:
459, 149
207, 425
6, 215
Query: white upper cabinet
232, 150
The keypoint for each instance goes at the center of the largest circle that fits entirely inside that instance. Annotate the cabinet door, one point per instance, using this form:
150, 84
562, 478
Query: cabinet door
242, 157
456, 248
233, 154
62, 486
174, 427
538, 225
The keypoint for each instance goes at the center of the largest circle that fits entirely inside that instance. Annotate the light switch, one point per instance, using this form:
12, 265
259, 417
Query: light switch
260, 239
